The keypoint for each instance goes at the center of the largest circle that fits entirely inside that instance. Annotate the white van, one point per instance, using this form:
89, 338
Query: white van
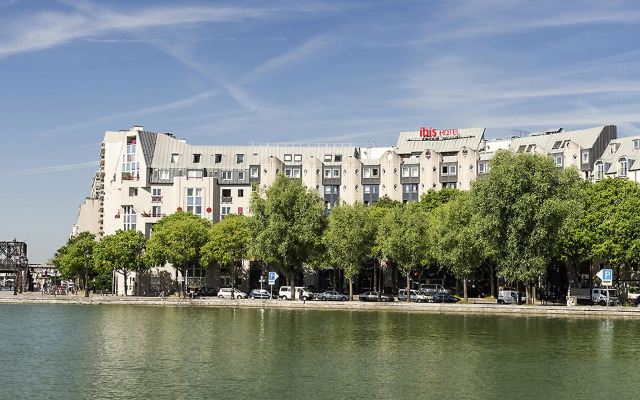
509, 297
285, 293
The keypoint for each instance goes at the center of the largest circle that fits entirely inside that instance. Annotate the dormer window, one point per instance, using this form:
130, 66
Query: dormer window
622, 167
636, 144
585, 157
599, 171
557, 145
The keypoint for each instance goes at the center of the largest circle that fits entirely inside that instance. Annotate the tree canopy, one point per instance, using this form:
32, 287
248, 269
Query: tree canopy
288, 221
71, 259
349, 238
123, 252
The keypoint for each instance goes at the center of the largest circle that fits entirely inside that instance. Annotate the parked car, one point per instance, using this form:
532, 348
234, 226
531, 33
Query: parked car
414, 296
285, 293
259, 294
332, 295
445, 298
208, 292
373, 296
510, 297
431, 289
225, 293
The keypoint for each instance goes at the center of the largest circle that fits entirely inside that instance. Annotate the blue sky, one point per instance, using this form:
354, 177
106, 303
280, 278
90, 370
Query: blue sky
299, 71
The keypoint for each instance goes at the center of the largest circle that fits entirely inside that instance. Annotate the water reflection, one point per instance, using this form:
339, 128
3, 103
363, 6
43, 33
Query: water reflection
154, 352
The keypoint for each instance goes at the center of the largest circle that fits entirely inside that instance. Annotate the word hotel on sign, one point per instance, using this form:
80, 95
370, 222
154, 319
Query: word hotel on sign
433, 132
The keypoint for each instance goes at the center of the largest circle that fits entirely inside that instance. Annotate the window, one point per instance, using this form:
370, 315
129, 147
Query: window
296, 172
240, 175
194, 174
327, 189
374, 172
196, 158
327, 158
452, 170
287, 172
129, 218
133, 192
405, 171
406, 188
240, 192
636, 144
327, 173
156, 211
336, 173
521, 148
557, 145
163, 174
225, 211
451, 185
287, 157
622, 170
414, 188
194, 201
585, 157
218, 158
558, 161
156, 195
481, 168
253, 172
226, 192
366, 172
239, 158
337, 158
297, 158
240, 210
445, 170
599, 171
227, 175
367, 189
129, 160
414, 172
174, 158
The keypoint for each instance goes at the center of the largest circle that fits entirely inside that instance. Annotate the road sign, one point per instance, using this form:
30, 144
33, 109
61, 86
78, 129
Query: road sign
606, 275
272, 278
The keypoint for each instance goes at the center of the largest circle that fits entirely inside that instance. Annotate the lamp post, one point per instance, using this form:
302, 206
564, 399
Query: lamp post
86, 274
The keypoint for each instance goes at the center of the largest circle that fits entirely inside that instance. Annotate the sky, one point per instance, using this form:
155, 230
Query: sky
293, 71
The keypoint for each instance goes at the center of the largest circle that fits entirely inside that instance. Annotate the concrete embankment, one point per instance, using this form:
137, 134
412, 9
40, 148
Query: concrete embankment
475, 306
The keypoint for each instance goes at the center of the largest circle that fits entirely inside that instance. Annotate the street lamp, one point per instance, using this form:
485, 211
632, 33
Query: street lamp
86, 274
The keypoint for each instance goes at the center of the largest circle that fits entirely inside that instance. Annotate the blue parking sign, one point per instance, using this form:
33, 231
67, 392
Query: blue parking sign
607, 274
272, 276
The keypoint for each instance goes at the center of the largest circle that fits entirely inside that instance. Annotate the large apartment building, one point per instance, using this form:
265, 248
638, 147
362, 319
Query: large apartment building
143, 176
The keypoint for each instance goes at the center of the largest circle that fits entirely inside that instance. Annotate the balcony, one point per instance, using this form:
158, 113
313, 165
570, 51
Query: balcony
226, 200
154, 215
156, 199
127, 176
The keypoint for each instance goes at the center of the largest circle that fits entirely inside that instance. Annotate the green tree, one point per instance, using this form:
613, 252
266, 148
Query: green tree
523, 206
288, 221
71, 259
433, 199
228, 244
178, 239
404, 238
349, 238
609, 227
122, 252
457, 238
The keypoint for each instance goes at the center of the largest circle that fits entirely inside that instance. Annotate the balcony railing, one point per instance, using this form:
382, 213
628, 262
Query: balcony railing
156, 199
126, 176
154, 215
226, 199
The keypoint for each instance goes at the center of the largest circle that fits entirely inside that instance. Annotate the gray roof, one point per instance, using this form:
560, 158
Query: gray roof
624, 148
585, 138
409, 142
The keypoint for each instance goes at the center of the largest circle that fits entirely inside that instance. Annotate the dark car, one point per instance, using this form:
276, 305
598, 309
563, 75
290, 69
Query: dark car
445, 298
259, 294
208, 292
332, 295
373, 296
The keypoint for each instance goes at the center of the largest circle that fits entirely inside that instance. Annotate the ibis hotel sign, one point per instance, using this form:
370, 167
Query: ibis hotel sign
433, 133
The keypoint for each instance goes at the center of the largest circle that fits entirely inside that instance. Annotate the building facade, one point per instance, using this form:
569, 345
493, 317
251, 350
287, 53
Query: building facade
143, 176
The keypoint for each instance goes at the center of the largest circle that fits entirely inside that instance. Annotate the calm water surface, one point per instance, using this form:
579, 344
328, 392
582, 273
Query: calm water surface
74, 352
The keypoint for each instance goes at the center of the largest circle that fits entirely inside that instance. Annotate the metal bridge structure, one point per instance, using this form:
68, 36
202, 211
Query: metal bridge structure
13, 259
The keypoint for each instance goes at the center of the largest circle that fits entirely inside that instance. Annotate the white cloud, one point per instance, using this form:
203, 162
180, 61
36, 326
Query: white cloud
58, 168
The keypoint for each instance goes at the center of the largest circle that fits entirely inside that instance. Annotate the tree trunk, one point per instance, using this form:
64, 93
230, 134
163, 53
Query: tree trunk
528, 292
124, 272
292, 282
350, 289
464, 288
533, 294
492, 280
408, 287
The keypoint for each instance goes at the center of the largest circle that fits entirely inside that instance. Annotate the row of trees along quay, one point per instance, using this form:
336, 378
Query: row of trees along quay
525, 215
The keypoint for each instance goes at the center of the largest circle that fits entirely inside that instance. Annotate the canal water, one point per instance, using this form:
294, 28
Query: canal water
83, 352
